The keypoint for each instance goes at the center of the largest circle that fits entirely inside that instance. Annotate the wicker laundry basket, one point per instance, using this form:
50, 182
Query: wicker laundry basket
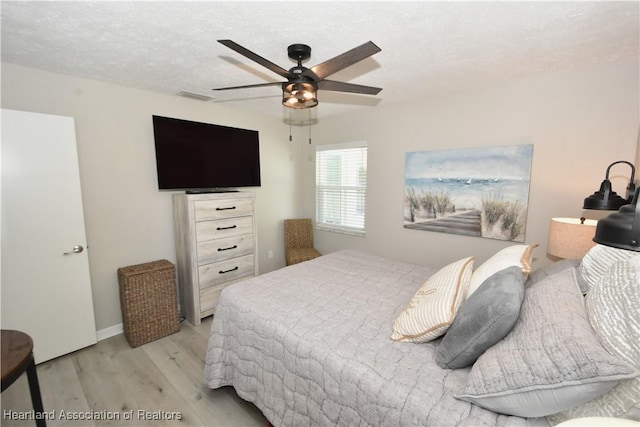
148, 300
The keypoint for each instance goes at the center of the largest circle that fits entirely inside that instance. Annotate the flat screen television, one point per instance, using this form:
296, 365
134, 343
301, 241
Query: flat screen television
203, 157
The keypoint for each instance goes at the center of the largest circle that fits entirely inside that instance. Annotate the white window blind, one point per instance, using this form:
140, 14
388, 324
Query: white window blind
341, 187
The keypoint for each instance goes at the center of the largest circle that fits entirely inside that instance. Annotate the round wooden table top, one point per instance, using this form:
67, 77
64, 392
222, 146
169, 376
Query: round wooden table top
16, 351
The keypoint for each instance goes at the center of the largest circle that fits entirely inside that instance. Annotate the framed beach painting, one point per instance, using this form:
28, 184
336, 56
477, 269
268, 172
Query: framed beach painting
481, 192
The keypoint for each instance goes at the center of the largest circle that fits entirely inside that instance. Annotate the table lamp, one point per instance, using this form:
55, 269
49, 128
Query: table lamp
571, 238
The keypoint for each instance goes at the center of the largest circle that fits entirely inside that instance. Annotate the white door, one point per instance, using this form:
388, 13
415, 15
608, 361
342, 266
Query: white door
46, 289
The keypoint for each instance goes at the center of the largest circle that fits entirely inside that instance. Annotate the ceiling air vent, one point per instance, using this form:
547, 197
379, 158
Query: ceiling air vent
193, 95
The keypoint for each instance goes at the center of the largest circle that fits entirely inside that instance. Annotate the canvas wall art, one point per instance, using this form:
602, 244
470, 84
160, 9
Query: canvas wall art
481, 192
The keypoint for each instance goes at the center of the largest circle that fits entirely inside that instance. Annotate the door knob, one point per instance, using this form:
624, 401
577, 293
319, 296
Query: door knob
76, 250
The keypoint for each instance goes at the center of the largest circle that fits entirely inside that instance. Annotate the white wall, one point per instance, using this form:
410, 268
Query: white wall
128, 220
579, 121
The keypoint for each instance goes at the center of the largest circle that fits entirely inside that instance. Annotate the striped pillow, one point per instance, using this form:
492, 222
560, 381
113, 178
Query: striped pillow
434, 306
597, 261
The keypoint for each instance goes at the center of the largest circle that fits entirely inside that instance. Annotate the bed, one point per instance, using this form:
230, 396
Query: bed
310, 344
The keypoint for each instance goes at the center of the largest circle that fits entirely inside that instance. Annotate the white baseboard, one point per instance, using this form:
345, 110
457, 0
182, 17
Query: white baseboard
109, 332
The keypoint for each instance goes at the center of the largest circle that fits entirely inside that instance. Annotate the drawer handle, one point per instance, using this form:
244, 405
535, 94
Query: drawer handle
226, 228
226, 209
227, 271
226, 249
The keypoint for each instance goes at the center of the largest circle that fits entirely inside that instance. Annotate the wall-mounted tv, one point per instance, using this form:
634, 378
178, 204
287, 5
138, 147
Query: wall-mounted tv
201, 157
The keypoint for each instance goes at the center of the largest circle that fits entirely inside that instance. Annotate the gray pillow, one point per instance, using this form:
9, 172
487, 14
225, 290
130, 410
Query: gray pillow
484, 318
550, 361
557, 267
551, 269
613, 306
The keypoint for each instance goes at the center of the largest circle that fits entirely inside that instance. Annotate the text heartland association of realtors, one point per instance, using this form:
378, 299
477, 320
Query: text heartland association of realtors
133, 414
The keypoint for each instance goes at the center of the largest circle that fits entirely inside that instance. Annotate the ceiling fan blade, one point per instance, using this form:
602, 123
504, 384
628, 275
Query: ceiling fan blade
346, 59
347, 87
257, 58
249, 86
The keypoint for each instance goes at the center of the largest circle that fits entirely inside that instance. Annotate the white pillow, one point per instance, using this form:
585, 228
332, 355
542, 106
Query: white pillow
435, 304
516, 255
597, 261
613, 307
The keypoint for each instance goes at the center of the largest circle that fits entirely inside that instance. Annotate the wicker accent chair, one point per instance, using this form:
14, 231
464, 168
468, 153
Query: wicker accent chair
298, 241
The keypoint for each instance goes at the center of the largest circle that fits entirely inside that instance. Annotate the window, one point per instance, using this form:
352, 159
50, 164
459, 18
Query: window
341, 187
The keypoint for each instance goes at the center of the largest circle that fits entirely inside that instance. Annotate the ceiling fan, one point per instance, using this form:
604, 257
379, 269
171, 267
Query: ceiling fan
300, 89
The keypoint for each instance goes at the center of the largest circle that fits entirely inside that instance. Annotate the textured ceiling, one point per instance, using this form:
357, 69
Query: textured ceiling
428, 48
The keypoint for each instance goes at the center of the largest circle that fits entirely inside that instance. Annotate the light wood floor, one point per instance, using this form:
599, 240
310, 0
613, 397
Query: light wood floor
161, 379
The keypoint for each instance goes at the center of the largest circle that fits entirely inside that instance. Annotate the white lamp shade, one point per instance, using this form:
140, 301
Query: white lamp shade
569, 238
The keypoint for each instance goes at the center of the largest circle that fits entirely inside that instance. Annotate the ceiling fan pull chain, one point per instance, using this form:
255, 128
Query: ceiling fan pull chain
309, 127
290, 137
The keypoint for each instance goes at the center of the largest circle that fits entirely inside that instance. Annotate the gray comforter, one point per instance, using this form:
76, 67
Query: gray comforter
309, 345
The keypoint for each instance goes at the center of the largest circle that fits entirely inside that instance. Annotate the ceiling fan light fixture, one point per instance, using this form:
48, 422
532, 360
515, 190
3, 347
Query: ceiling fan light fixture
299, 95
301, 88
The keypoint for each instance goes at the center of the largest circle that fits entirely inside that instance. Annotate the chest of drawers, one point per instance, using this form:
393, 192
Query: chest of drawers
216, 245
